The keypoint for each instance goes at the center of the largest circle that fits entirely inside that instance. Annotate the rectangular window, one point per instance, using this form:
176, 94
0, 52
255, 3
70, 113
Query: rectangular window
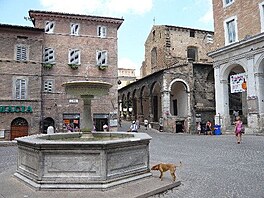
101, 31
49, 55
192, 33
227, 2
230, 30
21, 53
49, 26
48, 86
20, 89
101, 57
74, 29
74, 56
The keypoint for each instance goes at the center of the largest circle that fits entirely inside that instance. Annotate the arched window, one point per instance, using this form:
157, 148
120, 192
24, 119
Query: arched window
154, 57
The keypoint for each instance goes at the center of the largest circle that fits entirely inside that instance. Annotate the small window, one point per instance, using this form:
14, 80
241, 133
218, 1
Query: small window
49, 55
231, 30
154, 57
48, 86
101, 31
192, 53
49, 26
192, 33
227, 2
101, 57
20, 89
21, 53
74, 56
209, 38
74, 29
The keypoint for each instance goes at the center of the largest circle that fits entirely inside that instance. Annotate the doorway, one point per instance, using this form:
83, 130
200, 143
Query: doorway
19, 128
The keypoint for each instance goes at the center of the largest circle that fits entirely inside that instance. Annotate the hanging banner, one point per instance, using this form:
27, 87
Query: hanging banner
236, 82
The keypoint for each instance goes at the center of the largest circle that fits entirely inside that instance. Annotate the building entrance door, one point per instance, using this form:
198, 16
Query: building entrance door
19, 128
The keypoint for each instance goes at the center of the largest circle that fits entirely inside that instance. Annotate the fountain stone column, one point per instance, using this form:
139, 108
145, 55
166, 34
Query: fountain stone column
87, 115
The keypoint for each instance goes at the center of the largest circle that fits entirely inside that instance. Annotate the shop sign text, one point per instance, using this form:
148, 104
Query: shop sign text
16, 109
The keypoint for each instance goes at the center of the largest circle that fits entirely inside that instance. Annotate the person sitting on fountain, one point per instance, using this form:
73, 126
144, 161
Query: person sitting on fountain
133, 127
69, 128
105, 127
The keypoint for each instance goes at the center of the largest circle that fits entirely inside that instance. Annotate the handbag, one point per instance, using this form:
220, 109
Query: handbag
242, 129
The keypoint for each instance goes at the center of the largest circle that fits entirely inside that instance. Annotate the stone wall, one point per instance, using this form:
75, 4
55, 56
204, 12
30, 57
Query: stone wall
166, 46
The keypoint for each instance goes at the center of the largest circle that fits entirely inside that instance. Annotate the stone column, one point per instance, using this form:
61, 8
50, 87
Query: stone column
165, 108
252, 99
220, 98
87, 122
165, 103
150, 108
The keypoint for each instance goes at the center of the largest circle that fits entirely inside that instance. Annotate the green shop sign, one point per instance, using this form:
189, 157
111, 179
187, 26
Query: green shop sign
15, 109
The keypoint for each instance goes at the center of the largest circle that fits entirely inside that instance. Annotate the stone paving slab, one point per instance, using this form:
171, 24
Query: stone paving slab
11, 187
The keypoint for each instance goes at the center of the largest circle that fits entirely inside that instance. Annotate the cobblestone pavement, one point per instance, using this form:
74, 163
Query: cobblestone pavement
8, 157
213, 166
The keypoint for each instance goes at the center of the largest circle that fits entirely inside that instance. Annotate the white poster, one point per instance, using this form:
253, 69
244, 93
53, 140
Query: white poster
236, 82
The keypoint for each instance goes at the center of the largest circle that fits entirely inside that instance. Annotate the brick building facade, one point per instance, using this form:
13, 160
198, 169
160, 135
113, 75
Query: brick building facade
239, 61
60, 48
177, 83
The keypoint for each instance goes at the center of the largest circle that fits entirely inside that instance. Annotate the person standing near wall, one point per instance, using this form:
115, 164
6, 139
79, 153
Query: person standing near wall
146, 124
161, 124
198, 128
208, 128
120, 122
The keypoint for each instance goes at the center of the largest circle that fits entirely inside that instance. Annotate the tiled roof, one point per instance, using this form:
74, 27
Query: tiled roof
20, 27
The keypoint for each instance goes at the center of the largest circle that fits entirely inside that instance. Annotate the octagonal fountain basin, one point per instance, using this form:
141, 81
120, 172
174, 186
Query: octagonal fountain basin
68, 161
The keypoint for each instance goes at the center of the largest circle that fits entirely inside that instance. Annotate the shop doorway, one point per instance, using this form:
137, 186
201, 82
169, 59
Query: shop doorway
179, 126
19, 128
100, 120
71, 121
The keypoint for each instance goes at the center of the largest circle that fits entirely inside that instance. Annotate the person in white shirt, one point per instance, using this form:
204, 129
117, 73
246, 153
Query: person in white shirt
105, 127
50, 130
146, 123
133, 127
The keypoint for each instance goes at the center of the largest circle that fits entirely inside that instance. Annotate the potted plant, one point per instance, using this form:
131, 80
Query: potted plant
73, 66
48, 65
102, 67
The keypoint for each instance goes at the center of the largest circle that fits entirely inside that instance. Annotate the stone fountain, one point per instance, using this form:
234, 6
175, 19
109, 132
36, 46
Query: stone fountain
75, 161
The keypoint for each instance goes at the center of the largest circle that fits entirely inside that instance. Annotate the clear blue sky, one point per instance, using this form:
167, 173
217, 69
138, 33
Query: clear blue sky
138, 18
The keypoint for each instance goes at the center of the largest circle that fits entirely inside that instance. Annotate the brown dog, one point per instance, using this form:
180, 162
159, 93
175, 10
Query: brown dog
165, 167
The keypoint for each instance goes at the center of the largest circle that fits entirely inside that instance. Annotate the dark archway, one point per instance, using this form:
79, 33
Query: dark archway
46, 123
237, 97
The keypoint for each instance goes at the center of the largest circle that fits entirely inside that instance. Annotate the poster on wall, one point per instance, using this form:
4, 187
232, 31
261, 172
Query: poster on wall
113, 119
238, 83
